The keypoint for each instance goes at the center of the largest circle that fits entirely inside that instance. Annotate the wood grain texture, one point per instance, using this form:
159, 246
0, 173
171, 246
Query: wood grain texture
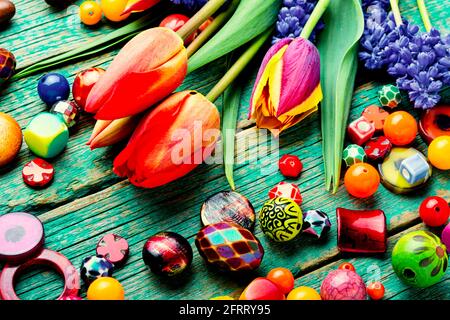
86, 200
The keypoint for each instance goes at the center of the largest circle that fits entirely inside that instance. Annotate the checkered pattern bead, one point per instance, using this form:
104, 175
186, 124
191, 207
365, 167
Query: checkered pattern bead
229, 247
7, 65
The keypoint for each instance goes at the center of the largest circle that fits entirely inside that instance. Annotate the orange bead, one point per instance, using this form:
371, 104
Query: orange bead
90, 13
112, 9
362, 180
105, 288
375, 290
400, 128
439, 151
283, 278
303, 293
347, 266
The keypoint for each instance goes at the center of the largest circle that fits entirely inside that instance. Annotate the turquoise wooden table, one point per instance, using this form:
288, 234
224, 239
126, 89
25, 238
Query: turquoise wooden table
87, 200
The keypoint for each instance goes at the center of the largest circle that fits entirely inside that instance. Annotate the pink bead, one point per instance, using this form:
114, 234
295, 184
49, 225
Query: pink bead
446, 237
343, 285
360, 130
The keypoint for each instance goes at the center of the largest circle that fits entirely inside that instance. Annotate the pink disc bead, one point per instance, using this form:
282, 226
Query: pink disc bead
113, 248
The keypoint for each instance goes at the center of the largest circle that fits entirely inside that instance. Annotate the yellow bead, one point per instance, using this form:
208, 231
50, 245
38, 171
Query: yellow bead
303, 293
112, 9
222, 298
105, 288
439, 151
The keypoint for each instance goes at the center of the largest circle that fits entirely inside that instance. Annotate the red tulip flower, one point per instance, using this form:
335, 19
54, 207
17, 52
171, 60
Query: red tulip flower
139, 5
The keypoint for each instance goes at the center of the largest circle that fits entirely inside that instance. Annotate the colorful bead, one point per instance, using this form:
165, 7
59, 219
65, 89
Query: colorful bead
167, 254
283, 278
376, 116
343, 285
390, 174
286, 190
303, 293
113, 248
439, 151
414, 168
53, 87
21, 237
11, 138
290, 166
83, 84
375, 290
105, 288
446, 237
361, 231
361, 180
46, 135
95, 267
435, 123
377, 148
390, 96
360, 131
229, 247
347, 266
434, 211
228, 206
38, 173
353, 154
7, 65
419, 259
400, 128
316, 223
281, 219
68, 111
262, 289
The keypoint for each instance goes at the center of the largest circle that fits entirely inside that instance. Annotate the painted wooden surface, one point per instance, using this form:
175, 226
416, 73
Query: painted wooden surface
87, 200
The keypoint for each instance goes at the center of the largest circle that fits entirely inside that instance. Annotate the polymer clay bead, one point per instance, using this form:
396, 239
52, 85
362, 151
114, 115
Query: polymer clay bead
167, 254
343, 285
434, 123
286, 190
414, 168
434, 211
113, 248
360, 131
38, 173
105, 288
95, 267
83, 84
353, 154
290, 166
419, 259
439, 151
229, 247
400, 128
7, 65
262, 289
389, 96
11, 138
361, 231
378, 148
228, 206
376, 116
316, 223
68, 111
46, 135
281, 219
53, 87
21, 237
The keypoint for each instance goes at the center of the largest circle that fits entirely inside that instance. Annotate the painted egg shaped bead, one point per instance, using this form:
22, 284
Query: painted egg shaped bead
105, 288
262, 289
68, 111
53, 87
419, 259
46, 135
281, 219
228, 206
83, 84
286, 190
113, 248
167, 254
353, 154
229, 247
10, 137
38, 173
7, 65
434, 211
343, 285
95, 267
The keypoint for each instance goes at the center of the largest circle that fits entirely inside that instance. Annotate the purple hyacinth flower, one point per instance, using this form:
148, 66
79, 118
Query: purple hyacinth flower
191, 5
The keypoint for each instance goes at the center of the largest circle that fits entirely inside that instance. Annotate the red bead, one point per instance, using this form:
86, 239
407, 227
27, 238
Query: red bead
376, 116
375, 290
434, 211
283, 278
83, 84
290, 166
347, 266
378, 148
360, 130
286, 190
113, 248
262, 289
38, 173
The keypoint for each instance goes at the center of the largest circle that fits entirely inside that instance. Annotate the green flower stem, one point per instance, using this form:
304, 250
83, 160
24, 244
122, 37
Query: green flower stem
201, 16
317, 13
396, 11
424, 14
238, 66
218, 22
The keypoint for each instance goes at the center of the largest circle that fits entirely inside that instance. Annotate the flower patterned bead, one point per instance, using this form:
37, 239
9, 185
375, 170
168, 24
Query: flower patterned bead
376, 116
353, 154
38, 173
95, 267
286, 190
390, 96
113, 248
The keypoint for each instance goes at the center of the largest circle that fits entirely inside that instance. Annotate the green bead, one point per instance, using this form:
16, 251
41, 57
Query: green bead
419, 259
390, 96
353, 154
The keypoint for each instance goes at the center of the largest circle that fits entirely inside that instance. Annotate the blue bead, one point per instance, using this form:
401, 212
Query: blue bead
414, 168
53, 87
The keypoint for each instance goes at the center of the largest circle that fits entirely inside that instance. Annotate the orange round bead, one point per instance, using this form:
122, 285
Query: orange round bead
283, 278
400, 128
347, 266
375, 290
105, 288
361, 180
90, 13
439, 151
303, 293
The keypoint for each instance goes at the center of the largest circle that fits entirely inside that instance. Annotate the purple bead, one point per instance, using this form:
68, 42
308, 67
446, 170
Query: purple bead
446, 237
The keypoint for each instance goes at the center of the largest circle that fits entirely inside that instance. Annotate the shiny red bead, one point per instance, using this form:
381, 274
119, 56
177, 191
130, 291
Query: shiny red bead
290, 166
375, 290
434, 211
83, 84
347, 266
38, 173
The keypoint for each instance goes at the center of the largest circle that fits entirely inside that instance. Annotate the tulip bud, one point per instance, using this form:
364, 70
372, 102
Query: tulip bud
287, 88
148, 68
139, 5
109, 132
170, 141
